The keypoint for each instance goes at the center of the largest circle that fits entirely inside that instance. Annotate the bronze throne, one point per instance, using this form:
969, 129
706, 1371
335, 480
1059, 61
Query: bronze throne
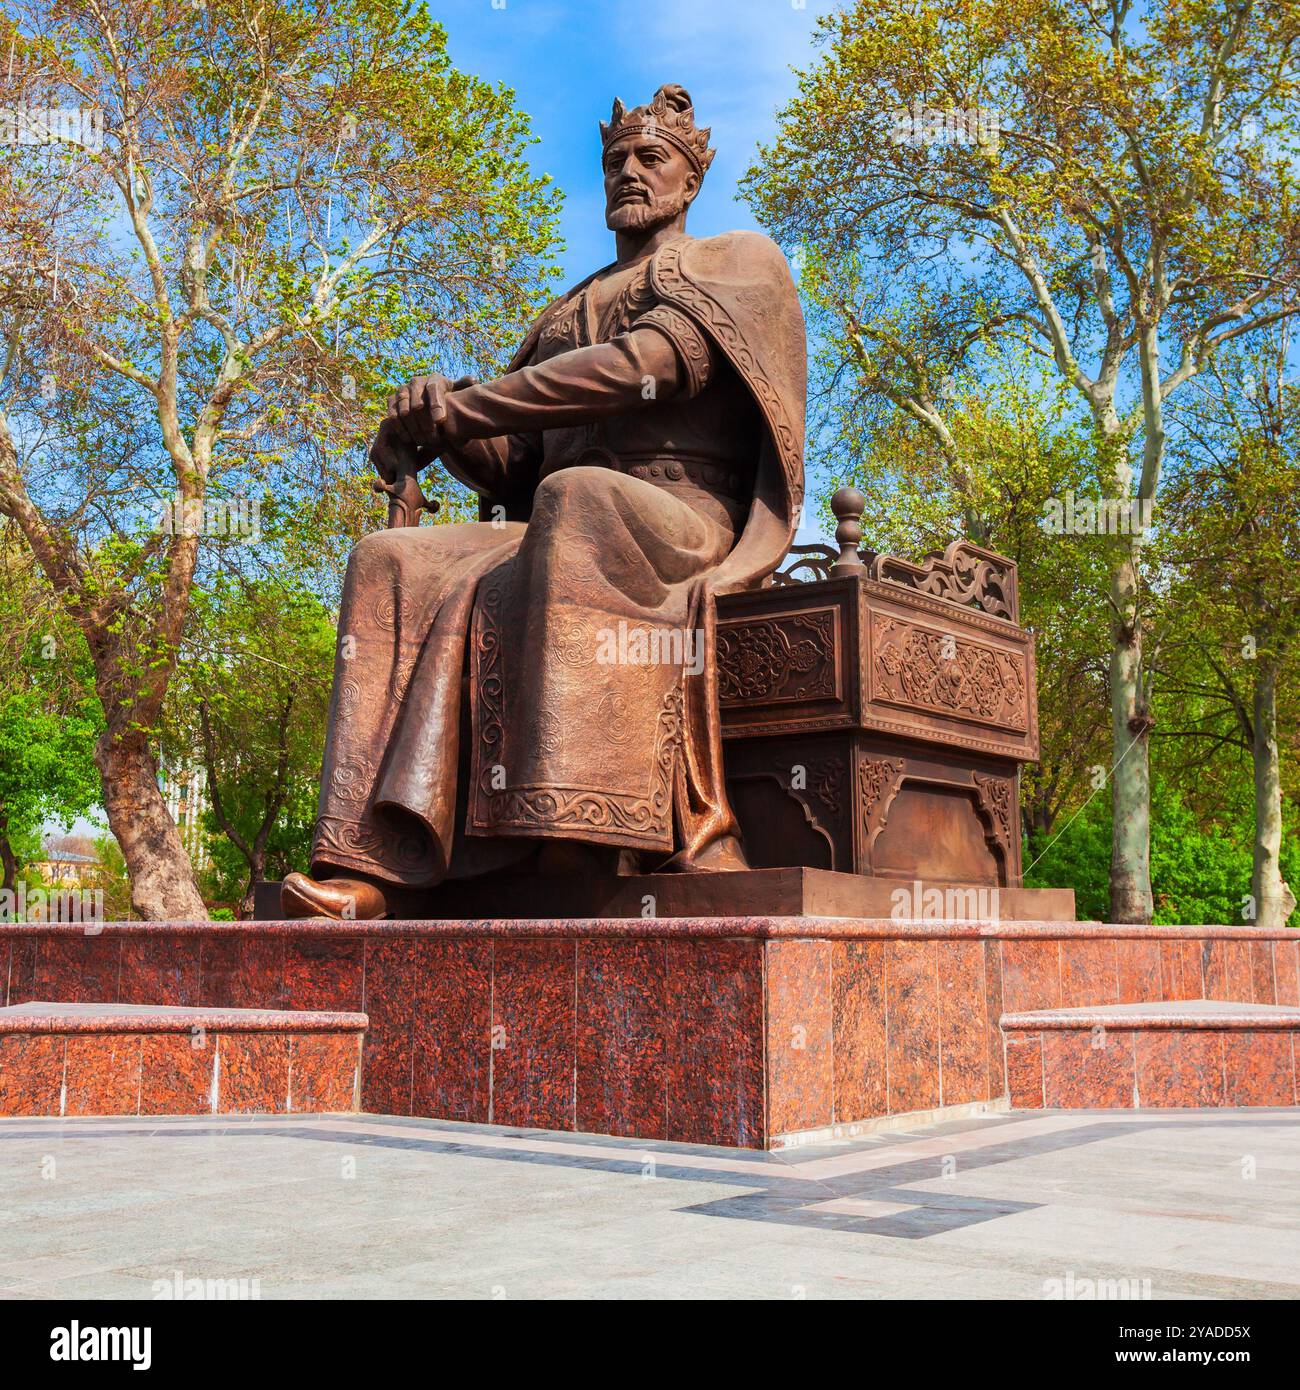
876, 716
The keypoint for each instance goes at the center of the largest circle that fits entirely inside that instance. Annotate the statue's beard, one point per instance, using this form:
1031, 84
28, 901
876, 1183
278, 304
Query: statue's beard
638, 216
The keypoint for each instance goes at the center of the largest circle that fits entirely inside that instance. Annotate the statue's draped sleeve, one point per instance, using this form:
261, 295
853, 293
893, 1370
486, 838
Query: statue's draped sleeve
629, 372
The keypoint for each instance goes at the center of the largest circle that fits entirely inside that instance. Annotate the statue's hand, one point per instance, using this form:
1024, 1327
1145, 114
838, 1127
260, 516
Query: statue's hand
419, 405
394, 452
412, 433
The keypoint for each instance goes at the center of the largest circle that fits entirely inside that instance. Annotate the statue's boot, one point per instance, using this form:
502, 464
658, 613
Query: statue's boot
726, 854
337, 898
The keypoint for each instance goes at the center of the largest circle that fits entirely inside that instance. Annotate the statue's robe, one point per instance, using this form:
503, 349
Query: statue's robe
643, 453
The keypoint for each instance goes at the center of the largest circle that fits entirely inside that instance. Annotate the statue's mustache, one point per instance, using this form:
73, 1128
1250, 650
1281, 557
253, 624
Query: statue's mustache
636, 213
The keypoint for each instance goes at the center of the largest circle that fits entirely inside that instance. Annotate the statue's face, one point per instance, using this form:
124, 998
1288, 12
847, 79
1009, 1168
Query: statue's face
648, 182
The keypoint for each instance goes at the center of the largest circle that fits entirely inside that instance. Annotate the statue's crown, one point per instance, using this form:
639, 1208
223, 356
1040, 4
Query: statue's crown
670, 115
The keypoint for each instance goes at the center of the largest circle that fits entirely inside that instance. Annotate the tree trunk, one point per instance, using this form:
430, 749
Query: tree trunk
1130, 864
10, 862
162, 878
254, 853
1274, 900
256, 872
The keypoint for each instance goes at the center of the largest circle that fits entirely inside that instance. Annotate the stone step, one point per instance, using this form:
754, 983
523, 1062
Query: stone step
61, 1059
1187, 1053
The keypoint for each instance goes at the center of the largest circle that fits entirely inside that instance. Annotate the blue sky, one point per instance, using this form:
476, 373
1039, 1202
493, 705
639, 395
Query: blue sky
567, 61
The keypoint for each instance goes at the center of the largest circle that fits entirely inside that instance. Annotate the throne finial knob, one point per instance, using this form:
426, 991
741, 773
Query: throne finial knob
848, 505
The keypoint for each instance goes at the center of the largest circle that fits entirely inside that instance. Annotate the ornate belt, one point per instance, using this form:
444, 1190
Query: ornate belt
667, 469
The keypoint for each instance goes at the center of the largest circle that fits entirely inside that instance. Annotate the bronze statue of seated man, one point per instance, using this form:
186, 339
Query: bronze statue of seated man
537, 689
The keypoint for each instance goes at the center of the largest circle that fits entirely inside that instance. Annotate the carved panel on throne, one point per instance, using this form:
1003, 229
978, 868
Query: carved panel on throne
875, 720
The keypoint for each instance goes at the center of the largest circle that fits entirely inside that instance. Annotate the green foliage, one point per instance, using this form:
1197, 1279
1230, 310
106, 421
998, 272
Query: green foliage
288, 846
46, 758
113, 879
1112, 188
1200, 867
1230, 549
49, 716
249, 704
1075, 855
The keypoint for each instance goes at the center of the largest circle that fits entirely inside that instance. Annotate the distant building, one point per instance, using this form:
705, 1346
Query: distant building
65, 868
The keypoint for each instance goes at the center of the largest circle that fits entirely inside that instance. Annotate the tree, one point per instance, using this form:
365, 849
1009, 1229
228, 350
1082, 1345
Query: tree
1111, 183
1234, 543
1009, 446
49, 717
112, 880
1200, 869
249, 702
258, 217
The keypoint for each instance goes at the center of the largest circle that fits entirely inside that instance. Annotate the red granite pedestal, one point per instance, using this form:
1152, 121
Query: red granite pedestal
1197, 1053
121, 1059
748, 1031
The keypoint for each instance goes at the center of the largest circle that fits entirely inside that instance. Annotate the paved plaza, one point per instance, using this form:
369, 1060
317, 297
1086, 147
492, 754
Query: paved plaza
1046, 1204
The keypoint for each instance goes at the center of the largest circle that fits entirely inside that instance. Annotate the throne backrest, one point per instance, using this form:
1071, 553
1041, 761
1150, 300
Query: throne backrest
964, 573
